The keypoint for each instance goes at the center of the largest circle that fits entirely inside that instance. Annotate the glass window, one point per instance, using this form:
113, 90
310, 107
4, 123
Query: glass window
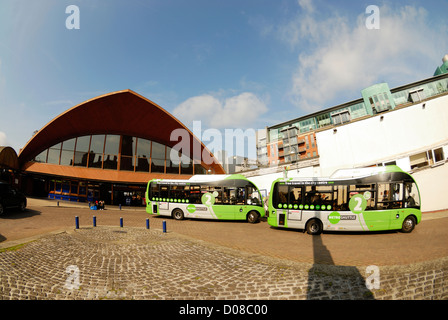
111, 152
158, 151
180, 193
438, 155
172, 166
112, 144
128, 146
154, 191
82, 144
97, 144
186, 165
280, 199
110, 161
41, 157
81, 159
143, 148
411, 198
319, 197
54, 153
127, 163
389, 195
74, 187
199, 169
229, 195
95, 160
69, 144
67, 158
142, 164
158, 165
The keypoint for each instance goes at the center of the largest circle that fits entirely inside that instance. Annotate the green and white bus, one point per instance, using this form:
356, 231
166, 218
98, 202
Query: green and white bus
365, 199
222, 197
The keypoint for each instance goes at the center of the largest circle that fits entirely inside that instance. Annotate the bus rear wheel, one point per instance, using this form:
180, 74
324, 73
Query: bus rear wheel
408, 224
178, 214
314, 227
253, 217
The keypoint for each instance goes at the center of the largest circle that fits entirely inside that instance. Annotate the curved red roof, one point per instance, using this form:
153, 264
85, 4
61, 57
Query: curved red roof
122, 113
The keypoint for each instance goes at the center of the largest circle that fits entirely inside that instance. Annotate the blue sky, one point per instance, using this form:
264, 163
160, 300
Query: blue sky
230, 64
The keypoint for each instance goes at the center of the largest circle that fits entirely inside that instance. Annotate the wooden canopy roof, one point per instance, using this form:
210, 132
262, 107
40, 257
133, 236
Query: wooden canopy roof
121, 113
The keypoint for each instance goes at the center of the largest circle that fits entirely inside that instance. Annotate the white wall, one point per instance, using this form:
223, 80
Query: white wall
433, 186
373, 140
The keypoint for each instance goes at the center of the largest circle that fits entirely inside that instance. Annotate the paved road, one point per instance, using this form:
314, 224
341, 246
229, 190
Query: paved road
208, 259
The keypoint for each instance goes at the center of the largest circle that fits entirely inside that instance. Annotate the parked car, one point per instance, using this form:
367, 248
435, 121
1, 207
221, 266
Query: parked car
11, 198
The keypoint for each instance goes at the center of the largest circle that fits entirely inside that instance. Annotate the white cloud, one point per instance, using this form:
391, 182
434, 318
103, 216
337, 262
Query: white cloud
3, 140
341, 57
240, 111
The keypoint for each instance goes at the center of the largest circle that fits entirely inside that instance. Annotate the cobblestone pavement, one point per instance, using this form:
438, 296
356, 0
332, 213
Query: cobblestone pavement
197, 261
135, 263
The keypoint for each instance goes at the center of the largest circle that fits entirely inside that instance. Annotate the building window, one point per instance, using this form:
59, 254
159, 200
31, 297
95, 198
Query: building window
67, 153
157, 157
340, 117
143, 154
53, 154
96, 151
127, 160
111, 149
115, 152
82, 151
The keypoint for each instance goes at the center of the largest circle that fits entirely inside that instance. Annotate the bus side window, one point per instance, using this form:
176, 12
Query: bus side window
218, 194
295, 196
241, 196
280, 199
340, 198
164, 192
390, 195
229, 195
411, 199
195, 194
154, 191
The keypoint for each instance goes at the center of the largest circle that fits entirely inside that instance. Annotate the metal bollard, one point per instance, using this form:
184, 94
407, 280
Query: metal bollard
77, 222
164, 226
147, 224
94, 221
121, 222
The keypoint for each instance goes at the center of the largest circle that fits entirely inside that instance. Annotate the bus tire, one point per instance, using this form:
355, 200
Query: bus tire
314, 227
408, 224
177, 214
253, 217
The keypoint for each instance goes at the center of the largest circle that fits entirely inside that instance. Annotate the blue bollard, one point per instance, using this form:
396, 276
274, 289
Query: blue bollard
164, 226
119, 206
94, 221
77, 222
147, 224
121, 222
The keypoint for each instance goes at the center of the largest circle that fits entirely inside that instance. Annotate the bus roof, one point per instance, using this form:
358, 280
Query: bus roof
363, 172
207, 178
347, 174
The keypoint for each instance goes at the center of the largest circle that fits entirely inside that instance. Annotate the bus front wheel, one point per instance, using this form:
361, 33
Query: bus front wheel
408, 224
253, 217
178, 214
314, 227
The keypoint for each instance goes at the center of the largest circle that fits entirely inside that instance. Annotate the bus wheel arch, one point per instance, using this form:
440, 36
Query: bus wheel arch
253, 216
177, 214
409, 223
314, 226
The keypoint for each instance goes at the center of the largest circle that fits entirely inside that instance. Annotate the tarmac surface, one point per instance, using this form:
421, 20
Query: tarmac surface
43, 256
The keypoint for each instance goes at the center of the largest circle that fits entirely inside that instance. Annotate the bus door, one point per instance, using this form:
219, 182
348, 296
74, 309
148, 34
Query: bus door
240, 203
230, 199
295, 203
